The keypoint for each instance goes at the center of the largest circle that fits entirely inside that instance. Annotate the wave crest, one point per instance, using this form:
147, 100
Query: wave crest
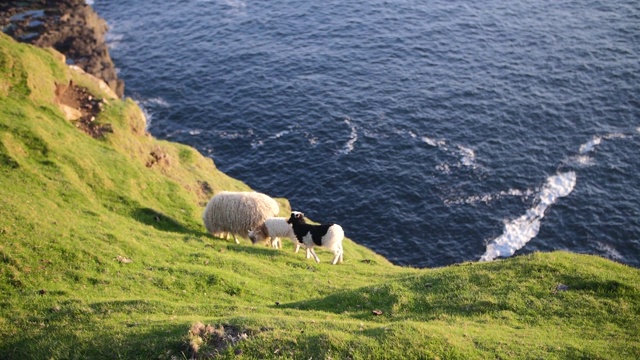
518, 232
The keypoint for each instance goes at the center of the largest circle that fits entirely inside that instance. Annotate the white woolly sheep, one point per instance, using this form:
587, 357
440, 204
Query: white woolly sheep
272, 230
329, 236
238, 212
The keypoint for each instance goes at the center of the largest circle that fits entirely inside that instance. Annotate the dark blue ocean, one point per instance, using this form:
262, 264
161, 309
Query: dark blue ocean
434, 132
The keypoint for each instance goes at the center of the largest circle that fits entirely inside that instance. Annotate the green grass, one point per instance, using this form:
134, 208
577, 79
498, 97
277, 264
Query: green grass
72, 206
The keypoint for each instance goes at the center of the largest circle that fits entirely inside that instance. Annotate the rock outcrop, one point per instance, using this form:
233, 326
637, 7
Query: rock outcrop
70, 26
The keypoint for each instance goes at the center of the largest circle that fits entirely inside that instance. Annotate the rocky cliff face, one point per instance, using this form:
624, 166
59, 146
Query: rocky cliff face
69, 26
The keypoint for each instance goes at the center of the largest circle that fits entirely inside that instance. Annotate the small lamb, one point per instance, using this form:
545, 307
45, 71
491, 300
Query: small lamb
329, 236
272, 230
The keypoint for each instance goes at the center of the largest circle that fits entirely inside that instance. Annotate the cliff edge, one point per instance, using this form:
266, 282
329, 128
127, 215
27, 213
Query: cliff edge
70, 26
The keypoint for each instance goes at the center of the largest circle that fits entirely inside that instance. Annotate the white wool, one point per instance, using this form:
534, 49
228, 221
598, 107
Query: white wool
332, 241
238, 212
273, 229
279, 227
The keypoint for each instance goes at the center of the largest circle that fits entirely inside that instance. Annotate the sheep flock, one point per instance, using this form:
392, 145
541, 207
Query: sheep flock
254, 214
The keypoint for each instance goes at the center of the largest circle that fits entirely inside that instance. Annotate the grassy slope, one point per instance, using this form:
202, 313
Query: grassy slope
70, 205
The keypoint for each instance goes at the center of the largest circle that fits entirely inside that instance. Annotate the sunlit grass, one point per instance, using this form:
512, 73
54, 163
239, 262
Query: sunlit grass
104, 256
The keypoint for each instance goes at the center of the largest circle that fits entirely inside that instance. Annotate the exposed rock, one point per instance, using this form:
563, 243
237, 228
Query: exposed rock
80, 107
124, 260
70, 26
207, 342
561, 287
159, 156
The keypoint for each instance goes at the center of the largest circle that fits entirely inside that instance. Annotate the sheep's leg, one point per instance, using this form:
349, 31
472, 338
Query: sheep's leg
308, 253
297, 247
236, 239
275, 243
337, 257
314, 255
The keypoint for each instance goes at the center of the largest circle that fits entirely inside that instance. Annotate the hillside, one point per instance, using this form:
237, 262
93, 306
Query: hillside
103, 255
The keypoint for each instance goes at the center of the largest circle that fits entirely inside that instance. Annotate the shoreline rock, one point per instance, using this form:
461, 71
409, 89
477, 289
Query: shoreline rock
70, 26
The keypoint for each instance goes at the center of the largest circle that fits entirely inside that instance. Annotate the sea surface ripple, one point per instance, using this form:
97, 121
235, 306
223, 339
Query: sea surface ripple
434, 132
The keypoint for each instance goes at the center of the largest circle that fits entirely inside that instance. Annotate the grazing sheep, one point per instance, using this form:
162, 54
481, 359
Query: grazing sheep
272, 230
237, 212
326, 235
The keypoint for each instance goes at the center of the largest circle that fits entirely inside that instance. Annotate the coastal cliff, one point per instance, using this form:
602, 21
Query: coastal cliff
70, 26
103, 255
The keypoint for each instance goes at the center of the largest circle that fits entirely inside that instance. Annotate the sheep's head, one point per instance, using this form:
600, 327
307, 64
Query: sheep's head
253, 237
256, 235
296, 218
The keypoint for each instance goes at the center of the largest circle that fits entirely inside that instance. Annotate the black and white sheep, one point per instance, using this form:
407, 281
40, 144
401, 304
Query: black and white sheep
328, 236
238, 212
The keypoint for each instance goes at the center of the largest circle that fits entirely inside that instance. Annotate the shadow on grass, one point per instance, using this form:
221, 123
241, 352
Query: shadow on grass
478, 291
161, 221
422, 298
253, 250
73, 339
599, 287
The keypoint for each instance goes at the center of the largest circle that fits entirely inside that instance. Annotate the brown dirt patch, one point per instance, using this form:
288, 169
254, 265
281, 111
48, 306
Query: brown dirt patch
208, 342
82, 108
159, 157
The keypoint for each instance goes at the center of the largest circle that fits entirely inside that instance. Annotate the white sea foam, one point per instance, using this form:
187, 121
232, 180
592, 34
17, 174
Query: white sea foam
235, 7
615, 136
519, 231
444, 168
281, 134
236, 4
487, 198
156, 101
312, 139
353, 137
113, 39
584, 160
259, 142
467, 155
584, 148
429, 141
230, 135
580, 160
148, 116
609, 251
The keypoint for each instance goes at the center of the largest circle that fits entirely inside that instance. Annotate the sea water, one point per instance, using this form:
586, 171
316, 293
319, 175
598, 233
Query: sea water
434, 132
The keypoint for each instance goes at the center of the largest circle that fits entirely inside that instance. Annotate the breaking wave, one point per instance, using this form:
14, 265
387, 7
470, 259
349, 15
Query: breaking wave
519, 231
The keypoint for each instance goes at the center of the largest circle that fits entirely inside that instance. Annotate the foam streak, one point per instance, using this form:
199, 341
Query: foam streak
353, 137
518, 232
